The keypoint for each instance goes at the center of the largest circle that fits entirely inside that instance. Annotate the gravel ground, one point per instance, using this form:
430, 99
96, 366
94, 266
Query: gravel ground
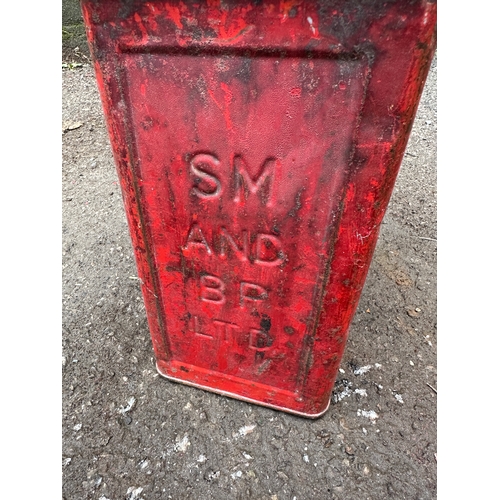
129, 434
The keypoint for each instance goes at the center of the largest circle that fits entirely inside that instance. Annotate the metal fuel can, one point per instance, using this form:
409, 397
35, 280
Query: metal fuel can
257, 145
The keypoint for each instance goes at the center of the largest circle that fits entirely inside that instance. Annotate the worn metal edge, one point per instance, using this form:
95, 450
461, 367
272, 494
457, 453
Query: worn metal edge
243, 398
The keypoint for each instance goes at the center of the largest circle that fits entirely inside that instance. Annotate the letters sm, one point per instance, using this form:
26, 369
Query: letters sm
242, 180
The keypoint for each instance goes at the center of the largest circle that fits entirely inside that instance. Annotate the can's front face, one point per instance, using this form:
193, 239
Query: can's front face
257, 146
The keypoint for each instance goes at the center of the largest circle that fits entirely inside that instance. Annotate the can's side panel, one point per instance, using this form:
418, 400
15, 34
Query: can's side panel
397, 80
105, 57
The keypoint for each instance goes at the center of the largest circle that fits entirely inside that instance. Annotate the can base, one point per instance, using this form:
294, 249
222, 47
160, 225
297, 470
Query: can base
242, 398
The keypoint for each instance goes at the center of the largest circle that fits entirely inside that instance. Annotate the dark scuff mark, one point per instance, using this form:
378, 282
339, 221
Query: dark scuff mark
244, 73
298, 203
259, 356
127, 8
265, 323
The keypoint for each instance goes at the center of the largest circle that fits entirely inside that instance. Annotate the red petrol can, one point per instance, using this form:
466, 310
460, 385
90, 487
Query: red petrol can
257, 145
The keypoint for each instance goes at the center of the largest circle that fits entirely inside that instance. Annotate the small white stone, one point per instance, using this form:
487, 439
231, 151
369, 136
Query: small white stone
182, 444
243, 431
399, 398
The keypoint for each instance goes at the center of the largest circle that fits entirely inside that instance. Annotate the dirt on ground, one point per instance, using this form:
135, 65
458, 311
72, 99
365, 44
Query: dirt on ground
130, 434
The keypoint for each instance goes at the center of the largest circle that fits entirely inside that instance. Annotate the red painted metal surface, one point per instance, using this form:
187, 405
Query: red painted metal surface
257, 145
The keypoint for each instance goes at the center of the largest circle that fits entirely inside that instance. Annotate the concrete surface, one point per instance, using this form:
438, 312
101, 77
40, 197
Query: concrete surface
129, 434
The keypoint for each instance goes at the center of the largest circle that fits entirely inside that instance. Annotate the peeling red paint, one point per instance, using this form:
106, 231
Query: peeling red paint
140, 24
257, 146
229, 30
174, 14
